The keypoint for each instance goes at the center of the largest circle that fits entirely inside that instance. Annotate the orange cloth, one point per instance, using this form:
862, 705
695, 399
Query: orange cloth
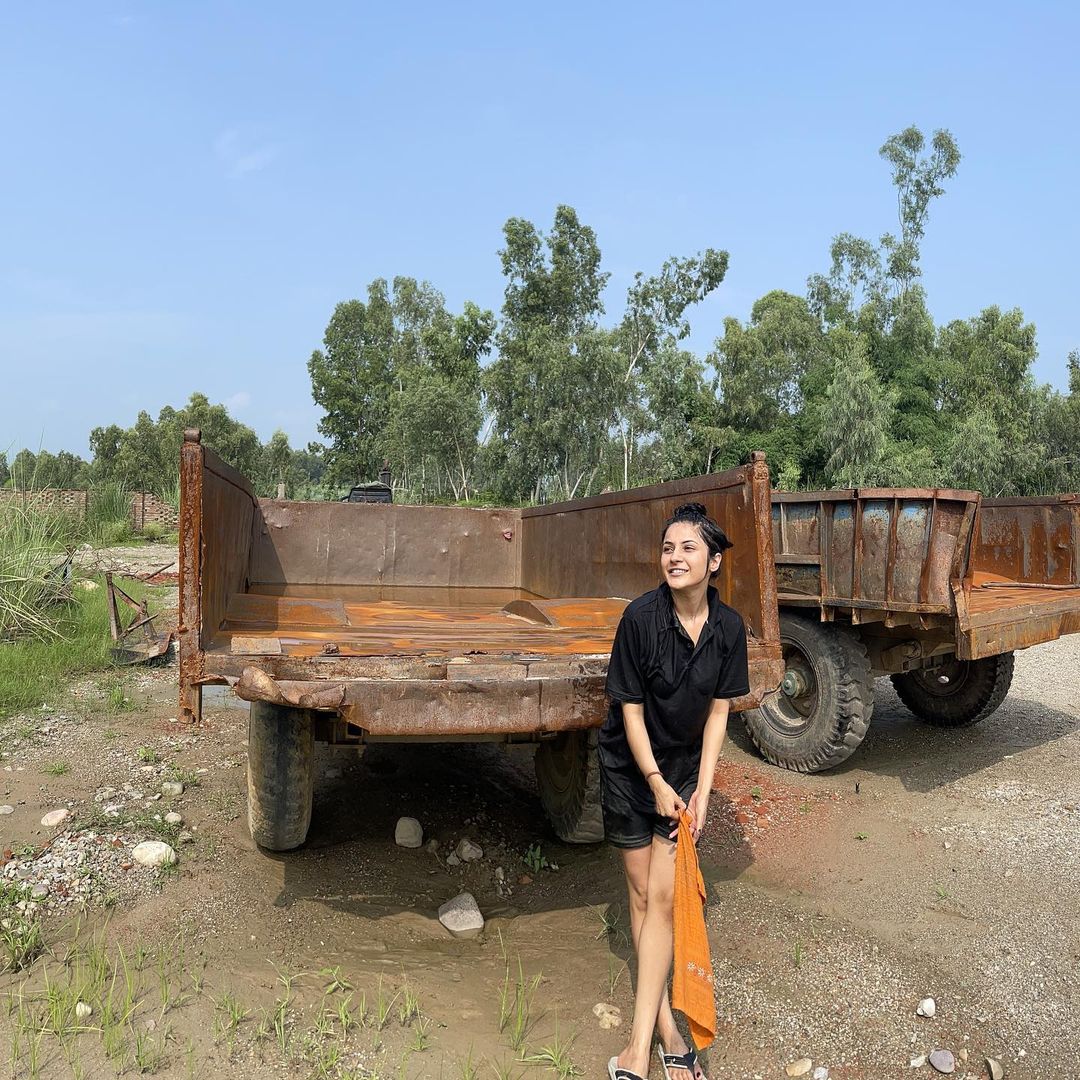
692, 982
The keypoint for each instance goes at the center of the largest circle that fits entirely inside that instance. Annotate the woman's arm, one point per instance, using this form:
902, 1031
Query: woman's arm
668, 803
712, 742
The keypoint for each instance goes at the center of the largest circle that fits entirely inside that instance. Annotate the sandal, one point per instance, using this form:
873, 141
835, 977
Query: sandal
687, 1061
616, 1072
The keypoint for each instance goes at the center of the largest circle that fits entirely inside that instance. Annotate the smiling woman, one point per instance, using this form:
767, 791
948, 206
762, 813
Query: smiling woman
679, 657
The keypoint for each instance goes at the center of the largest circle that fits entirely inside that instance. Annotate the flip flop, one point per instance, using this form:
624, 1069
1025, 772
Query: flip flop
616, 1072
687, 1061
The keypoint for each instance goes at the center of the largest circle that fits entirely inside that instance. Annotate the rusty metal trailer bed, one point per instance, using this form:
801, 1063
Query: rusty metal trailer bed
352, 622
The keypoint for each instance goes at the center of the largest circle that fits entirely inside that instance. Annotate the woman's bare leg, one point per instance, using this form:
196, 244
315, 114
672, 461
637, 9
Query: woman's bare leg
636, 866
655, 948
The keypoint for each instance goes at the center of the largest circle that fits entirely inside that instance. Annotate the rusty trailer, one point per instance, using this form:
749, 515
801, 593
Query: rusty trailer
357, 622
935, 588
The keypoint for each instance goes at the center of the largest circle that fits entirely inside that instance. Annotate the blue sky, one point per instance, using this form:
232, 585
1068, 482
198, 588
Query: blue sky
190, 188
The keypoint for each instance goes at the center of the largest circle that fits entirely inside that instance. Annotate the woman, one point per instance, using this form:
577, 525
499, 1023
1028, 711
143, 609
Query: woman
678, 658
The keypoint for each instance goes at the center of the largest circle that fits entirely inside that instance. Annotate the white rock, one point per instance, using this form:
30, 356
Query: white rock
87, 585
927, 1007
173, 818
918, 1062
821, 1073
800, 1067
7, 809
452, 860
185, 838
153, 853
467, 851
172, 788
995, 1069
943, 1061
610, 1016
408, 833
82, 1010
54, 818
461, 916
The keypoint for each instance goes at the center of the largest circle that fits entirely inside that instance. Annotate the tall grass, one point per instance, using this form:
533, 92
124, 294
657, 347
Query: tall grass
32, 547
108, 513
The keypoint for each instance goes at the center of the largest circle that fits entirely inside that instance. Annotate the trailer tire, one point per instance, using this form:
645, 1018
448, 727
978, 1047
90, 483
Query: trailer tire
281, 775
820, 714
974, 689
568, 777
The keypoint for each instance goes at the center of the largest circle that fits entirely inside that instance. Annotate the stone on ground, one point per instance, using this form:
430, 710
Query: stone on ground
610, 1016
172, 788
927, 1007
467, 851
943, 1061
800, 1067
153, 853
54, 818
461, 916
408, 833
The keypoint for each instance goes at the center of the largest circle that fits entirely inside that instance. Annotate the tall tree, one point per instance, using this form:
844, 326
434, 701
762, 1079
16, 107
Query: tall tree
351, 380
854, 418
23, 468
654, 322
551, 391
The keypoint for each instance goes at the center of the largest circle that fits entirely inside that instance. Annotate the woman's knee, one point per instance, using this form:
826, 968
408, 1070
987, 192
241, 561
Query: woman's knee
638, 893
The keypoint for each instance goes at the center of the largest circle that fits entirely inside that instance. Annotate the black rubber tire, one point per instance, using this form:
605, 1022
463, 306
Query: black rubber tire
976, 688
820, 728
568, 776
281, 775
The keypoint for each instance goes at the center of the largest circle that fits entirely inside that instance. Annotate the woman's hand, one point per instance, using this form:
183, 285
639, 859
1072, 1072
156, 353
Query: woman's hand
699, 811
668, 803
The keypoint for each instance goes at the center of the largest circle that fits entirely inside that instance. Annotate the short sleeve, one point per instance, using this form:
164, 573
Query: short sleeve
624, 678
734, 678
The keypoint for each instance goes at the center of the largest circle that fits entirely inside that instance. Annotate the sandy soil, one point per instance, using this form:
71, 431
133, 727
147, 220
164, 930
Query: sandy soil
934, 863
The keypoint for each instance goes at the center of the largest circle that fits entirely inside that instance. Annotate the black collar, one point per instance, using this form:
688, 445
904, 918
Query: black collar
670, 621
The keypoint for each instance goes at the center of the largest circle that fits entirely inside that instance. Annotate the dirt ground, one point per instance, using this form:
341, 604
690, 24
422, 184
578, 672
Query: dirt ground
933, 864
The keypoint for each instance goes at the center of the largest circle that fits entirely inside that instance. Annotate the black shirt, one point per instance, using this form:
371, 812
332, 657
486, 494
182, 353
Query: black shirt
654, 663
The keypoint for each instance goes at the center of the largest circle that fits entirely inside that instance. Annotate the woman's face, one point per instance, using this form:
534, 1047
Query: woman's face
684, 557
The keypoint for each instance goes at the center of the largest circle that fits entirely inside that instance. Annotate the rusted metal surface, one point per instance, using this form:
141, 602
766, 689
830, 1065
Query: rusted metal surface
355, 544
189, 624
217, 507
461, 621
871, 553
1002, 573
138, 641
1030, 540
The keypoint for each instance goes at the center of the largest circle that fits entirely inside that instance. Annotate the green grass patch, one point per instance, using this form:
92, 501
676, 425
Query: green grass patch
32, 669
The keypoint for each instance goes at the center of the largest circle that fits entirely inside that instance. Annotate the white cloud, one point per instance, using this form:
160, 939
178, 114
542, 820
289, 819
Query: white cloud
242, 156
239, 401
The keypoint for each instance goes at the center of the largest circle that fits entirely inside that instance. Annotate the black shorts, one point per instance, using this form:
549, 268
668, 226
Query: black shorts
626, 823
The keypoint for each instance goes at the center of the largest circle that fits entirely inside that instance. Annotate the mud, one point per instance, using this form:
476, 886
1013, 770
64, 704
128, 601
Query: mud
935, 863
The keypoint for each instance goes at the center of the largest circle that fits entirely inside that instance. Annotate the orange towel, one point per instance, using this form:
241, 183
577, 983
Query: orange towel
692, 982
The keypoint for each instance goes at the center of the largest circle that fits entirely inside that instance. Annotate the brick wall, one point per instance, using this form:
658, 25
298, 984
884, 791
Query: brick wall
70, 502
146, 508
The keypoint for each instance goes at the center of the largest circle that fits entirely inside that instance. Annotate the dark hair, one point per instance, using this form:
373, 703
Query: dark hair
696, 514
